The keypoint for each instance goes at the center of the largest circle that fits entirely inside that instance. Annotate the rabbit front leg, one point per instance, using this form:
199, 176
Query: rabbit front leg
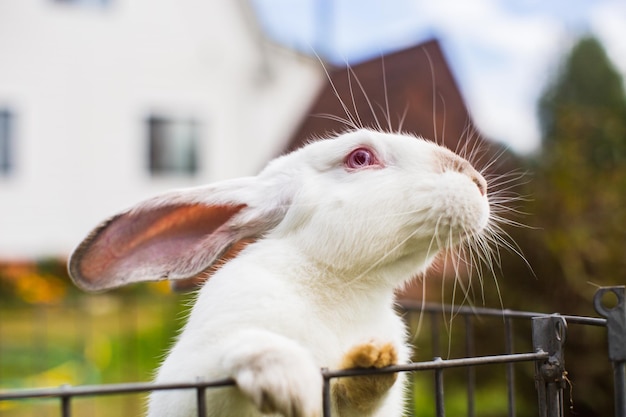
363, 395
277, 374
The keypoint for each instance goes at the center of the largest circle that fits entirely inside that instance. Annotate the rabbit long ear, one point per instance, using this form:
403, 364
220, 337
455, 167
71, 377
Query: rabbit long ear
177, 236
193, 283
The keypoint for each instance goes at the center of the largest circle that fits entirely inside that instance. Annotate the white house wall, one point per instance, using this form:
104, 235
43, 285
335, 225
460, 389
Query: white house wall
81, 81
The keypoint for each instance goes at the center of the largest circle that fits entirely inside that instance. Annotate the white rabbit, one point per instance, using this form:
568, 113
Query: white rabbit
317, 244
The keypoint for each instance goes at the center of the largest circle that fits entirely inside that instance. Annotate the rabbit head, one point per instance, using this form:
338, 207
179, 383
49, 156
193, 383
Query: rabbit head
362, 202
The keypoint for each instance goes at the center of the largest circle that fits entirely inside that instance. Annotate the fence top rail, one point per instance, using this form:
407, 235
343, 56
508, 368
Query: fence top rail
439, 363
66, 391
104, 389
494, 312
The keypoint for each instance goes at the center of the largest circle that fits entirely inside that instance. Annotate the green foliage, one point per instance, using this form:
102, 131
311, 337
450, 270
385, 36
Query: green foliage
585, 106
577, 213
580, 175
53, 334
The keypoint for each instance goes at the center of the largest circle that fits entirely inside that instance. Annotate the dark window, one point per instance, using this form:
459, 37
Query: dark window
172, 146
6, 138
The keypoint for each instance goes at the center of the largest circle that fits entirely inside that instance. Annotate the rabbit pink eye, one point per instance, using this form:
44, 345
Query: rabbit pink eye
361, 158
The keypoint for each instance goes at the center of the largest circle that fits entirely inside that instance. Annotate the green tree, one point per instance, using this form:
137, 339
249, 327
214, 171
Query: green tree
577, 210
579, 189
586, 105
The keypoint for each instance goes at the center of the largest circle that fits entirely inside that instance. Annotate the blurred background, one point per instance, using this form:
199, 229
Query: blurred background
106, 102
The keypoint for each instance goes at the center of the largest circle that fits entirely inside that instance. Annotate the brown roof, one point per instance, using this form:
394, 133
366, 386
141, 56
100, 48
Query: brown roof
413, 84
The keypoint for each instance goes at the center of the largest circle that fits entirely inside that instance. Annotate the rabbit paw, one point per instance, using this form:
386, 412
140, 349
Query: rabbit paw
364, 392
283, 385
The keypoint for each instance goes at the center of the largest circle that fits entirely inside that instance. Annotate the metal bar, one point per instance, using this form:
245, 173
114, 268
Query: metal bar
482, 311
541, 394
619, 374
510, 369
89, 390
555, 400
439, 401
470, 351
326, 394
442, 364
201, 401
66, 407
616, 334
549, 335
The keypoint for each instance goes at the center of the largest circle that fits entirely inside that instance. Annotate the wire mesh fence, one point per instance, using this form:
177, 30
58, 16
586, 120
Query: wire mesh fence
545, 353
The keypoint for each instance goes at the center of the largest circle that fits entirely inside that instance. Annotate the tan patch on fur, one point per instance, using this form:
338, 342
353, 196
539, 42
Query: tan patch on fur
364, 392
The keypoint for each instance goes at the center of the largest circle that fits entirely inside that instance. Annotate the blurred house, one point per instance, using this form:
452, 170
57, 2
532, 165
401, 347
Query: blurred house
105, 102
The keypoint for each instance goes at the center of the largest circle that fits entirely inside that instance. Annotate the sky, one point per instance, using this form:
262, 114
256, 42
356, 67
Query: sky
503, 53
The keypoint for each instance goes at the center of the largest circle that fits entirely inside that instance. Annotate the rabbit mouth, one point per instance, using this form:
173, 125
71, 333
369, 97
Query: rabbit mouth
450, 237
460, 224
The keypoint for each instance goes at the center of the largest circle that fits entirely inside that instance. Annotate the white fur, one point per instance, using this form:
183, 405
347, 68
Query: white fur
321, 278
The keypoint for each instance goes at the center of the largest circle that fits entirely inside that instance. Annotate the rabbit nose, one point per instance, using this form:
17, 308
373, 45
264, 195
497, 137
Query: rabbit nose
475, 176
451, 161
480, 182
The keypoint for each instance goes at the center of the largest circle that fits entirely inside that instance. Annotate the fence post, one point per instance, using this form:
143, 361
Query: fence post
439, 402
616, 333
201, 401
510, 369
66, 408
549, 334
326, 394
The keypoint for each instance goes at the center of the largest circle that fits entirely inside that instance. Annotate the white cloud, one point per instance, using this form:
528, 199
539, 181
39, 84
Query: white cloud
503, 60
608, 22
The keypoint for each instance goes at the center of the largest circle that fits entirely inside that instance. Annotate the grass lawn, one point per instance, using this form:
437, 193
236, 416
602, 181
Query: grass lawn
120, 337
90, 339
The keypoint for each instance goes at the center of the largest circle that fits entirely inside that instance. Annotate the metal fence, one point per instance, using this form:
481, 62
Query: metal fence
548, 333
